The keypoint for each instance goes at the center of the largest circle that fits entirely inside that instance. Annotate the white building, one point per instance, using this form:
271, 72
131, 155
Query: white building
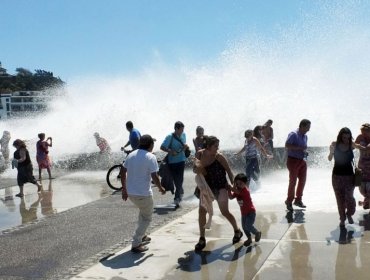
21, 103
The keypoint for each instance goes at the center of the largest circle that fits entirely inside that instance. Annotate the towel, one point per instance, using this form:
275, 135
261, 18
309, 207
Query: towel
206, 197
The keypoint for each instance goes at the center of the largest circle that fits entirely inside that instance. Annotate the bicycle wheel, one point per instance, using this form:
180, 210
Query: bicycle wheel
114, 177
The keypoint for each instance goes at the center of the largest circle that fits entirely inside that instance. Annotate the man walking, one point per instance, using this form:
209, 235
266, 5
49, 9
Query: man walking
134, 136
175, 144
139, 168
296, 145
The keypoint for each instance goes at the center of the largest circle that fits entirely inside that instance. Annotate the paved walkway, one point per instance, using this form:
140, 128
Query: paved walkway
294, 245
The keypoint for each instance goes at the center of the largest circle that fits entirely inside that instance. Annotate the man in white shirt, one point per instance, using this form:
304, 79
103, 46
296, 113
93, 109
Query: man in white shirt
139, 168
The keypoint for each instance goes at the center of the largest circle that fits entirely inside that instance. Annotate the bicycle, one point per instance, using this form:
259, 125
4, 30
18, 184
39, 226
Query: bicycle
114, 174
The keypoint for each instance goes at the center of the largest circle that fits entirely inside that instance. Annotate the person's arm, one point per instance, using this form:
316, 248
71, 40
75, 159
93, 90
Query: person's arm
157, 182
169, 151
127, 144
331, 153
165, 147
262, 149
226, 165
123, 182
22, 154
272, 133
290, 143
51, 142
241, 151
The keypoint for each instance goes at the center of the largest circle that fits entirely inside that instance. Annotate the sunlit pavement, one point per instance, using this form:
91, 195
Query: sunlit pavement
299, 245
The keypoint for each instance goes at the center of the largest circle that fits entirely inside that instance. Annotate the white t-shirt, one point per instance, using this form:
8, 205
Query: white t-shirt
140, 164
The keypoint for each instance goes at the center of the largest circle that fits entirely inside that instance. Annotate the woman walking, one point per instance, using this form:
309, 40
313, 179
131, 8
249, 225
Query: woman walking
342, 176
42, 153
23, 163
216, 167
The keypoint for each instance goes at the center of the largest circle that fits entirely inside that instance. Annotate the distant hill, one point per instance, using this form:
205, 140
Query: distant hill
25, 80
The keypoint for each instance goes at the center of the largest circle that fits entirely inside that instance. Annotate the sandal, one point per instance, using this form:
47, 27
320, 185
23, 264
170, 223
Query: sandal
201, 244
139, 249
146, 238
237, 236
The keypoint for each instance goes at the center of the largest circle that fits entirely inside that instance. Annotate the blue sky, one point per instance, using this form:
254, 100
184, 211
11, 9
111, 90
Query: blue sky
74, 38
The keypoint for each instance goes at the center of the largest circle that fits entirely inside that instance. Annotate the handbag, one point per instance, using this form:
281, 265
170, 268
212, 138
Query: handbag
187, 150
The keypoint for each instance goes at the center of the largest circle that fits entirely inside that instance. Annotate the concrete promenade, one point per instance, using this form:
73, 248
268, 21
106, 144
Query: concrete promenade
303, 244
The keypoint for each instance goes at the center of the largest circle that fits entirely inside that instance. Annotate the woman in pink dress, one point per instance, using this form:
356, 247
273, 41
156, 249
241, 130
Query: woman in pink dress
42, 153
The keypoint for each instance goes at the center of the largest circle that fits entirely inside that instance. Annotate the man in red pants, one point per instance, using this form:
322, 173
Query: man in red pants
296, 144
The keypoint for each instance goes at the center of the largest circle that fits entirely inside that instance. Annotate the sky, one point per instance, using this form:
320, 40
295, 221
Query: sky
219, 64
79, 38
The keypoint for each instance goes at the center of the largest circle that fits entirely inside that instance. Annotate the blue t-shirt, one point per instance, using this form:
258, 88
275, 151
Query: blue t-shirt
297, 139
134, 138
175, 146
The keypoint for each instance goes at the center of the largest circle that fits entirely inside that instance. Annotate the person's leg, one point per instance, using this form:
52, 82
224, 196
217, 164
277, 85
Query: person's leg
49, 172
350, 201
256, 169
40, 170
177, 171
245, 226
339, 195
248, 169
302, 174
223, 204
202, 218
367, 194
248, 224
20, 181
145, 206
293, 175
246, 231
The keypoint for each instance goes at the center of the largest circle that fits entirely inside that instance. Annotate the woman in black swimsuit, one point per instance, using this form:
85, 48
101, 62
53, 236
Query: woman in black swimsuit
216, 167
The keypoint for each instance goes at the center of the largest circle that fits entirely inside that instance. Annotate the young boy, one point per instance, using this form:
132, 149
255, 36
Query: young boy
241, 192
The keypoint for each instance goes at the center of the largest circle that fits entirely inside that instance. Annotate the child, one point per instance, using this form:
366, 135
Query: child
241, 192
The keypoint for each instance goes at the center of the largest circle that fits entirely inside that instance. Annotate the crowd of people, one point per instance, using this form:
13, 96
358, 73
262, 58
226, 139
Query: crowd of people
213, 175
216, 180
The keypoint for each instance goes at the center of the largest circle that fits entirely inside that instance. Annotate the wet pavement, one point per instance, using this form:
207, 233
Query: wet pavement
78, 228
69, 226
64, 192
303, 244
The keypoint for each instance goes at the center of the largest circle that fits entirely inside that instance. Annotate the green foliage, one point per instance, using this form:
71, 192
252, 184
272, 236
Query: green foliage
25, 80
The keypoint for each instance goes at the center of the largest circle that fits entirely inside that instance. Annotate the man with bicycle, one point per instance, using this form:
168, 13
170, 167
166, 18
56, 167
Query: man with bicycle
134, 137
141, 166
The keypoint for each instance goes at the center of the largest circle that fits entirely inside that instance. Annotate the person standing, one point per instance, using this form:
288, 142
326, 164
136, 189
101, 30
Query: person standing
174, 145
268, 134
4, 143
342, 176
134, 137
198, 141
240, 191
364, 163
296, 145
251, 148
42, 153
102, 144
22, 162
139, 168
